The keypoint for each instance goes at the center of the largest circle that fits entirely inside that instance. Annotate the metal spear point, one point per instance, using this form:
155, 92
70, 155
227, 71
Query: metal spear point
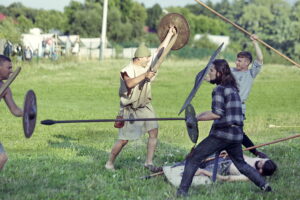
51, 122
190, 120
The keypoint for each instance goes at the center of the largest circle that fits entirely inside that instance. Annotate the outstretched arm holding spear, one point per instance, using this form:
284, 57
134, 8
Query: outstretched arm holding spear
247, 33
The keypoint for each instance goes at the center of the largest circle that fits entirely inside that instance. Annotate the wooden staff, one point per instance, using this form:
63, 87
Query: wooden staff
275, 126
247, 33
273, 142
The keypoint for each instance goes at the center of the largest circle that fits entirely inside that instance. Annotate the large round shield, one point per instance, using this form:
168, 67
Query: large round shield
181, 25
29, 113
191, 123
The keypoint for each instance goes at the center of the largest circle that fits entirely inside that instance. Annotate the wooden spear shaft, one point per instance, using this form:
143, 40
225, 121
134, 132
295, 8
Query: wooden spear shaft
247, 33
273, 142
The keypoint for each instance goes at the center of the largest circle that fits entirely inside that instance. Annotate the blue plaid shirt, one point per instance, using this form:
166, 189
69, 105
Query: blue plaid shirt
227, 104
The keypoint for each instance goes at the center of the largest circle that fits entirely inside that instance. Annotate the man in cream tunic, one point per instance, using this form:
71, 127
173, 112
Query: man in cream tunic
136, 101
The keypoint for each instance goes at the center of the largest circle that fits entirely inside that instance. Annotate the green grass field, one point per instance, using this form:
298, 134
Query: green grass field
66, 161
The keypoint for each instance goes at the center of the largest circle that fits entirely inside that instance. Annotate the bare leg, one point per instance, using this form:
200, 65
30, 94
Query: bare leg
152, 141
3, 159
118, 146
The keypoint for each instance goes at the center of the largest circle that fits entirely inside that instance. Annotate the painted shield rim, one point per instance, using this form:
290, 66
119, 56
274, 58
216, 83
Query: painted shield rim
29, 106
181, 25
193, 130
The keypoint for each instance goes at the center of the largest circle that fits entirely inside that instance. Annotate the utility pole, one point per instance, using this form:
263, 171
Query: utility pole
103, 34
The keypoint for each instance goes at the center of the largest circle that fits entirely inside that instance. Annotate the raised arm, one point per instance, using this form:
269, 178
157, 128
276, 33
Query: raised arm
165, 42
259, 55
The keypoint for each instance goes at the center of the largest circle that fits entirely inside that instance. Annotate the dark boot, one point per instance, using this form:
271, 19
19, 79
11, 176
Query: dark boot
266, 188
181, 193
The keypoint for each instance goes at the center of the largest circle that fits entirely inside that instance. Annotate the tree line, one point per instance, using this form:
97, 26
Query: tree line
275, 21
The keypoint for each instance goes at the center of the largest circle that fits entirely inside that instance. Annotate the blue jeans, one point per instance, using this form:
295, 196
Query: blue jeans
209, 146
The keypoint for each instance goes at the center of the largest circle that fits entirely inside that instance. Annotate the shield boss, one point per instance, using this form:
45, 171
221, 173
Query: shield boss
191, 123
181, 25
29, 113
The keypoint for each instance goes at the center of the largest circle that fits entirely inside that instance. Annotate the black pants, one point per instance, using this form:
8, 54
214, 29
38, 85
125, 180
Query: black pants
209, 146
248, 143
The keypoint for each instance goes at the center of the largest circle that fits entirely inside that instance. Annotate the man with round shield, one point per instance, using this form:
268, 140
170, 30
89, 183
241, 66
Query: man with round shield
135, 100
5, 71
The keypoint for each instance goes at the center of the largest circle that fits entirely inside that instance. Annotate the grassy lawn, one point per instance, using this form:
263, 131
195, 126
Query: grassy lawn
66, 161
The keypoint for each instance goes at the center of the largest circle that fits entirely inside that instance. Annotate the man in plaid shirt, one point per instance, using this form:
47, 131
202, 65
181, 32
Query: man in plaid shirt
226, 132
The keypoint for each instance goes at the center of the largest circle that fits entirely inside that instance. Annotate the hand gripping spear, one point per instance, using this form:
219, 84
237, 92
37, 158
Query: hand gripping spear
247, 33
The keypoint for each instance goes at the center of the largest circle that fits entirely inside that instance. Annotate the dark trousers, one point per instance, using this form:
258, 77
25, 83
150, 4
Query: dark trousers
209, 146
248, 143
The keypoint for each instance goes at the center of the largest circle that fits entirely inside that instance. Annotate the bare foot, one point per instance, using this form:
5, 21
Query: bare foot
109, 166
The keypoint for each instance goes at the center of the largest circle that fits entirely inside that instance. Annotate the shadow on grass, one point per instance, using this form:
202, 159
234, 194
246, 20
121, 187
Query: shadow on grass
73, 144
79, 174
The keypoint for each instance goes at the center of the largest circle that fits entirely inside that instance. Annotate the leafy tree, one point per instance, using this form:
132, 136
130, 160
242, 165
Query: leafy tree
84, 19
137, 18
294, 49
117, 30
16, 10
24, 24
204, 42
47, 20
154, 14
10, 31
198, 9
124, 6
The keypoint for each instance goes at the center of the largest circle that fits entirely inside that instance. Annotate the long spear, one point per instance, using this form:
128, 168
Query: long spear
51, 122
247, 33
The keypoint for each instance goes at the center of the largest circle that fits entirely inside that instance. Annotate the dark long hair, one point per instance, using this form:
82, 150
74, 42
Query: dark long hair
224, 75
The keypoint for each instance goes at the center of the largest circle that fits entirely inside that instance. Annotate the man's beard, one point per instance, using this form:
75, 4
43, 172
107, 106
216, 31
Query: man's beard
217, 80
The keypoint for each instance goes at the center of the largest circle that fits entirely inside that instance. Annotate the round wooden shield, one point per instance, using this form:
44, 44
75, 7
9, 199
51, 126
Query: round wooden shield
29, 113
191, 123
181, 25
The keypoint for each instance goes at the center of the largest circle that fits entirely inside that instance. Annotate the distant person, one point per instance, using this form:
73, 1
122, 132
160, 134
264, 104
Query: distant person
19, 50
8, 49
75, 49
28, 53
136, 101
5, 71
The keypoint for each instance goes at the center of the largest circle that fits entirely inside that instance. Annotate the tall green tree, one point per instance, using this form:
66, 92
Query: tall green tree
9, 31
84, 19
137, 17
117, 31
294, 49
24, 24
153, 15
51, 20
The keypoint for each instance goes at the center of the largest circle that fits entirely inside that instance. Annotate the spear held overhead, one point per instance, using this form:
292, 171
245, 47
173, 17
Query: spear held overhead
247, 33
